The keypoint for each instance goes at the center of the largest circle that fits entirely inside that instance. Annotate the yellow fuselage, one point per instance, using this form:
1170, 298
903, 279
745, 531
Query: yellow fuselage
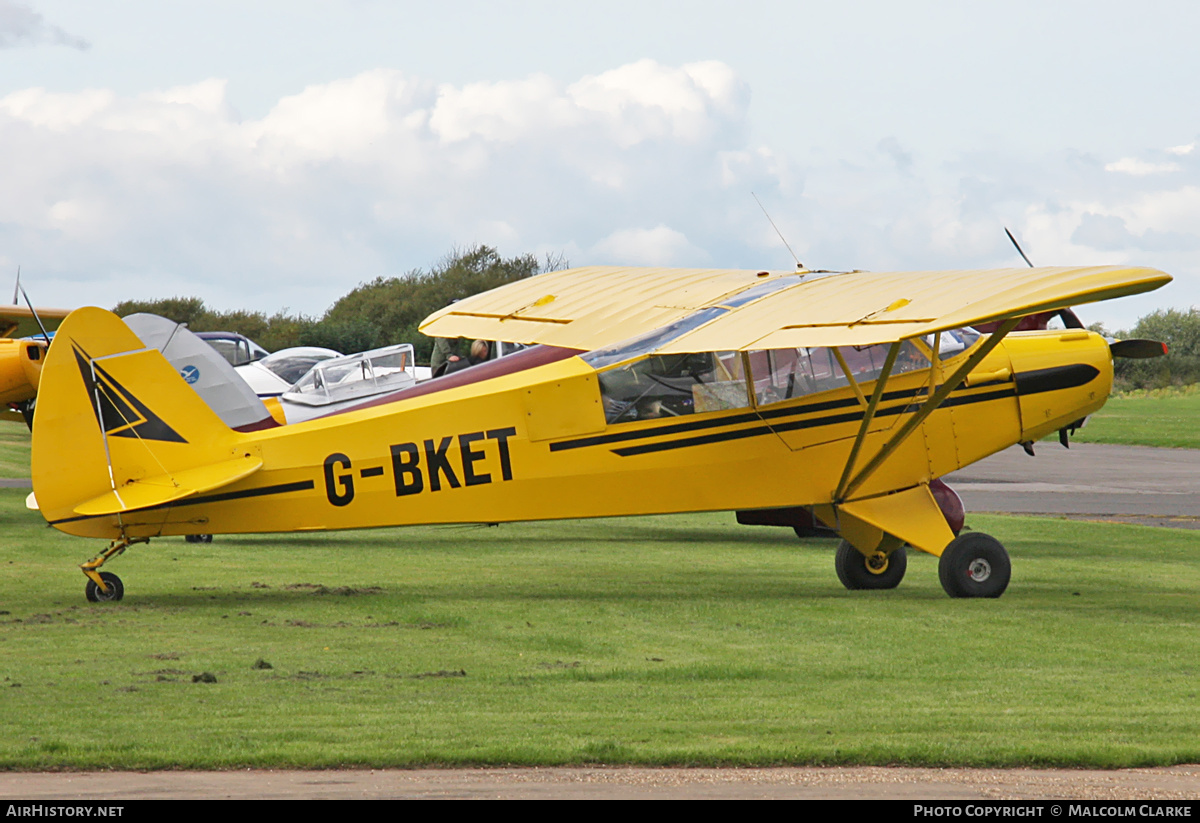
535, 444
20, 369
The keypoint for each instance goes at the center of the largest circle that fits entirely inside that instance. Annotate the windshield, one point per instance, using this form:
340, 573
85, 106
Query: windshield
292, 364
646, 343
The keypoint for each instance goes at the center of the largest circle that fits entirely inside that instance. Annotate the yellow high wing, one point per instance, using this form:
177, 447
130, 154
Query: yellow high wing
590, 308
20, 321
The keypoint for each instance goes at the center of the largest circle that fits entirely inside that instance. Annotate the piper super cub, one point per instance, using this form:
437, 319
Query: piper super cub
648, 391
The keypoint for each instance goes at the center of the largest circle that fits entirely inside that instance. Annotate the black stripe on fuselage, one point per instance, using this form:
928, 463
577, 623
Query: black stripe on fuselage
261, 491
794, 425
1055, 378
729, 420
915, 396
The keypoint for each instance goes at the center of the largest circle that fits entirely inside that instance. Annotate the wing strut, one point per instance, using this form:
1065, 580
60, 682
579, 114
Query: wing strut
837, 352
868, 415
943, 391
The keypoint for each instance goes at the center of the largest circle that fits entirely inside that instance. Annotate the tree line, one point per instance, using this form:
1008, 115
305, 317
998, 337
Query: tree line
1180, 330
380, 313
388, 309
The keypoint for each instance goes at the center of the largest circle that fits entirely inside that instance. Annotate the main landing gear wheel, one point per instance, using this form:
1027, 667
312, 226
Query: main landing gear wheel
198, 538
974, 565
879, 571
115, 589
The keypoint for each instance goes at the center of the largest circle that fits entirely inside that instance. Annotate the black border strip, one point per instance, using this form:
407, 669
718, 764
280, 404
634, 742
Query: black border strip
794, 425
916, 396
730, 420
261, 491
1026, 383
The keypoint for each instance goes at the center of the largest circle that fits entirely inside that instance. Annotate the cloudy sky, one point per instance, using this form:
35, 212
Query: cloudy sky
267, 154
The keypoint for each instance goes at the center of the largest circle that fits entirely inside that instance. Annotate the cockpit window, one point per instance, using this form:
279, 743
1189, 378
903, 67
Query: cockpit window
235, 348
781, 374
656, 339
231, 351
292, 364
672, 385
954, 341
642, 344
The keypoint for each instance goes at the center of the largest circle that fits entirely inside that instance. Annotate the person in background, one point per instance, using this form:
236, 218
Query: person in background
479, 352
445, 352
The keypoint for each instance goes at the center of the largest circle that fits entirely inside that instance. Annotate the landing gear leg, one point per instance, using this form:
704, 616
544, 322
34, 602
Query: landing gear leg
974, 565
103, 586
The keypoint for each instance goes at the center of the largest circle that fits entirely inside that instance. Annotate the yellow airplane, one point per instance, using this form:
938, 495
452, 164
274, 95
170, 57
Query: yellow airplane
653, 391
21, 360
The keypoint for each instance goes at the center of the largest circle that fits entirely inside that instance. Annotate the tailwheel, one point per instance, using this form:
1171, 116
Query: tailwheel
974, 565
879, 571
113, 589
105, 586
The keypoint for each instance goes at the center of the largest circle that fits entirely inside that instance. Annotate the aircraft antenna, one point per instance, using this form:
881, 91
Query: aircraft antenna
1017, 246
41, 325
18, 286
799, 265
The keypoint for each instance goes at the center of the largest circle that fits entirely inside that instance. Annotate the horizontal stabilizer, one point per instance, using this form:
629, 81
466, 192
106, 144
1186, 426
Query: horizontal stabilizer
164, 488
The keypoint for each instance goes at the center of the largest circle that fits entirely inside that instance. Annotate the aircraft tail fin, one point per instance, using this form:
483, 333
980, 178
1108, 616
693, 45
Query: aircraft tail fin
116, 429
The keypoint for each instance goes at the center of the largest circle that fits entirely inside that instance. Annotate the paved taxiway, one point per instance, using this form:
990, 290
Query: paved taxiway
626, 783
1137, 484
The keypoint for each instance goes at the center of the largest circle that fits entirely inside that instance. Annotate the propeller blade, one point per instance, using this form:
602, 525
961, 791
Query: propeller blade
1137, 349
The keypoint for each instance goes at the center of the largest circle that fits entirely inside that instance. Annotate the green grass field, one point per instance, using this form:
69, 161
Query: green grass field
663, 640
14, 450
1168, 417
671, 640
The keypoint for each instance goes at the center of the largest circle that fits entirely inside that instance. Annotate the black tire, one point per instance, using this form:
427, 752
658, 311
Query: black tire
115, 589
856, 572
974, 565
198, 538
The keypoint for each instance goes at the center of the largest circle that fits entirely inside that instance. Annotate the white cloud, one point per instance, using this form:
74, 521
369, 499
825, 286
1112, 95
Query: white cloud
371, 175
659, 246
110, 196
342, 119
501, 111
1132, 165
56, 111
646, 101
